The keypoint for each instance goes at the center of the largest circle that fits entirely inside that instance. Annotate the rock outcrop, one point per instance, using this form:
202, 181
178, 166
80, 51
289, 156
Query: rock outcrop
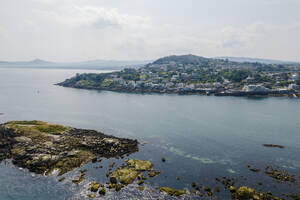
42, 147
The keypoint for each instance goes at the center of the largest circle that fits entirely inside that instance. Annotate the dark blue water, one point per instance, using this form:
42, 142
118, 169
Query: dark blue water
202, 137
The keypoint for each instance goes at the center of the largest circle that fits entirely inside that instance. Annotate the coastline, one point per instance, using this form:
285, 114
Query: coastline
70, 149
275, 93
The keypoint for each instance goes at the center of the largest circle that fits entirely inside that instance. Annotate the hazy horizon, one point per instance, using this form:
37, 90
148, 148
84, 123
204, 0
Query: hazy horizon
82, 30
148, 61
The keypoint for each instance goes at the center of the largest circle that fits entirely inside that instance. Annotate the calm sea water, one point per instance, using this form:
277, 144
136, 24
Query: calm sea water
202, 137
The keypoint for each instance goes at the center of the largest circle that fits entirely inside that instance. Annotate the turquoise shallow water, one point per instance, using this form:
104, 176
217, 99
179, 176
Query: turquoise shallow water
202, 137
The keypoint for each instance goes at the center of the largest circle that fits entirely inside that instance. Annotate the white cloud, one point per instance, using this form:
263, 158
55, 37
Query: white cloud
69, 30
93, 17
242, 37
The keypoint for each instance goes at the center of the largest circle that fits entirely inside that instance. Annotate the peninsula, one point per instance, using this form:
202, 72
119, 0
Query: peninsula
190, 74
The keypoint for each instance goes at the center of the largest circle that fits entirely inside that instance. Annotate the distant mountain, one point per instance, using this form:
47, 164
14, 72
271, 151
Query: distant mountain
254, 60
92, 64
32, 62
39, 62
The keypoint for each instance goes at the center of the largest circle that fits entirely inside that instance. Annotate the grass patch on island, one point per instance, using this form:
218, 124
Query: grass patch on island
32, 122
51, 128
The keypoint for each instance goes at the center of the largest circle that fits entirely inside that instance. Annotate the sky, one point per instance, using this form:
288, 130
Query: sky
79, 30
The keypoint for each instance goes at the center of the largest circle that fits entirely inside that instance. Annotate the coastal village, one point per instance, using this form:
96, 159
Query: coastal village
197, 75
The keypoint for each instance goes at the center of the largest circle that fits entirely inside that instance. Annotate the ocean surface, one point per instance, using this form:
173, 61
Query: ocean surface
201, 137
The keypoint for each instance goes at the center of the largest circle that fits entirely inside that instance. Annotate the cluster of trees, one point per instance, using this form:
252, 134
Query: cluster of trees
236, 75
129, 74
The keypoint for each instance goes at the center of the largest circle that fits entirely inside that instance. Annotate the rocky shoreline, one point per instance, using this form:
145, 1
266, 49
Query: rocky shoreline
284, 93
43, 148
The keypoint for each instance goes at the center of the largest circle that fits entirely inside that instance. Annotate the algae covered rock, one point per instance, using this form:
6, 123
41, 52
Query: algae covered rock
141, 188
102, 191
140, 165
172, 192
247, 193
94, 186
91, 195
43, 148
132, 170
117, 186
153, 173
280, 175
140, 182
127, 176
79, 179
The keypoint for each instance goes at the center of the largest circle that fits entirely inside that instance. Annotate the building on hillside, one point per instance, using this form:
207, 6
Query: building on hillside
255, 88
294, 87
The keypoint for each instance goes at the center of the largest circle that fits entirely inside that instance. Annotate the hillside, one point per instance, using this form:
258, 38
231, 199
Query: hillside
182, 59
219, 61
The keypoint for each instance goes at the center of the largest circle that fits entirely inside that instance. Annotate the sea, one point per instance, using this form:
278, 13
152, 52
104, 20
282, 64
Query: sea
201, 137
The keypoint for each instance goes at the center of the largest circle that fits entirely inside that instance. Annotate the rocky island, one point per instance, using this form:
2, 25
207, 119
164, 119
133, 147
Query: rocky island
189, 74
44, 148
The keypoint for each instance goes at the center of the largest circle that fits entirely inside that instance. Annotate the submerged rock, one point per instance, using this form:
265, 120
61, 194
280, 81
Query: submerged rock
61, 179
153, 173
253, 169
172, 192
43, 148
91, 195
274, 146
279, 175
294, 196
79, 179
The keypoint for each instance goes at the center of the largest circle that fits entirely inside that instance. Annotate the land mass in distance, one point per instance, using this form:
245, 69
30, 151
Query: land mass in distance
190, 74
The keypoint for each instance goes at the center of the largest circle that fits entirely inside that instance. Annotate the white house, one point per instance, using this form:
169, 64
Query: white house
294, 87
255, 88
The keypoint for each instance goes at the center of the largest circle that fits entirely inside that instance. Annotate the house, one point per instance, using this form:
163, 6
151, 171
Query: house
169, 84
180, 85
132, 84
191, 86
294, 87
295, 77
250, 79
255, 88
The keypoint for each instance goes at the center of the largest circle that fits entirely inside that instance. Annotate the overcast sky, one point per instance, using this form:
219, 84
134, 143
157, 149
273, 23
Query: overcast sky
78, 30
